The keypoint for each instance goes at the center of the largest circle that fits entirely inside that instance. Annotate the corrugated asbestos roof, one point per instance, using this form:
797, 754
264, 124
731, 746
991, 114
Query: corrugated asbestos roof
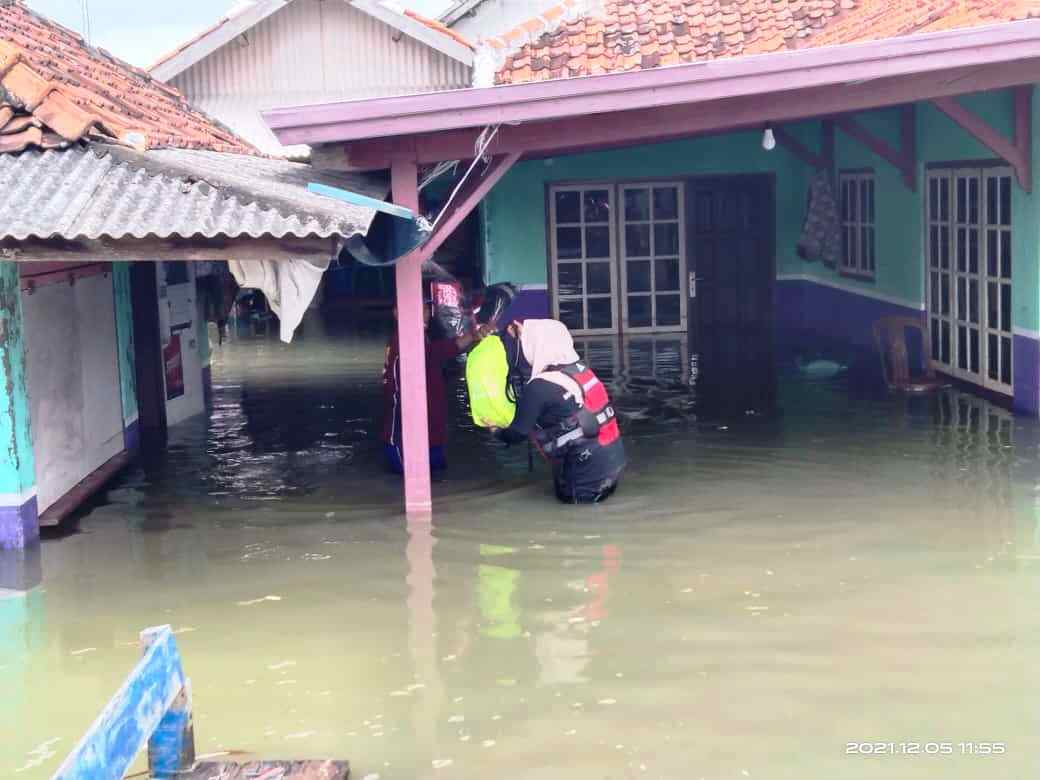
109, 192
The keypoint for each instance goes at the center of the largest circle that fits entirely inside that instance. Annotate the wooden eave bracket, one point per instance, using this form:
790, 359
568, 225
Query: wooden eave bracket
824, 160
903, 159
1018, 151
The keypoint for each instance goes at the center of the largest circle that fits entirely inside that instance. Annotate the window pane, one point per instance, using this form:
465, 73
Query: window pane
637, 205
962, 249
600, 315
871, 257
870, 200
992, 243
973, 351
935, 338
991, 202
962, 347
572, 314
973, 201
973, 251
597, 206
933, 206
853, 202
667, 310
637, 240
597, 278
934, 300
845, 246
638, 276
666, 203
666, 238
991, 308
597, 241
853, 248
1005, 200
1005, 308
846, 186
933, 246
568, 243
569, 278
639, 311
993, 357
666, 274
1005, 254
962, 299
1005, 360
944, 200
567, 207
944, 295
962, 200
864, 250
944, 350
944, 248
973, 302
864, 200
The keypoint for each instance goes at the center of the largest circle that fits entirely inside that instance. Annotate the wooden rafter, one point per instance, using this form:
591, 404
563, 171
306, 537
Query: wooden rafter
1016, 151
822, 160
169, 250
903, 159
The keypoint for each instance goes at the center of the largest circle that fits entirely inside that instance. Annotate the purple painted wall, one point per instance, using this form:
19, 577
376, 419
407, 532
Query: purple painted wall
529, 304
1026, 362
19, 546
806, 311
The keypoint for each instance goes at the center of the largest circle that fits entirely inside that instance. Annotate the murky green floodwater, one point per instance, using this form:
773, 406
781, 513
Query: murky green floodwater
761, 592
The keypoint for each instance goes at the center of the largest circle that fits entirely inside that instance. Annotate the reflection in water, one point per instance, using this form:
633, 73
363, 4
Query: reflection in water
765, 588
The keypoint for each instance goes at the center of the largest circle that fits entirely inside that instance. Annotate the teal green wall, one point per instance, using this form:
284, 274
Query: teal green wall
514, 218
514, 221
125, 336
17, 466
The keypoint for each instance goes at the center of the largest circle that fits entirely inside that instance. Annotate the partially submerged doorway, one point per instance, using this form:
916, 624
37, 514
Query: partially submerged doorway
730, 245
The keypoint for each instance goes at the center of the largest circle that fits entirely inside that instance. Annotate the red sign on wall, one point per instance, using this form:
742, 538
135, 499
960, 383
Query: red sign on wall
174, 368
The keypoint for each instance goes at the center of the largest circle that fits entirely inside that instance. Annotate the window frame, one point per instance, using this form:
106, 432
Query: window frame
854, 223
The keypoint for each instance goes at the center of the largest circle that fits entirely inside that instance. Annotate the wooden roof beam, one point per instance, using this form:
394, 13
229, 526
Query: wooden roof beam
903, 159
1017, 151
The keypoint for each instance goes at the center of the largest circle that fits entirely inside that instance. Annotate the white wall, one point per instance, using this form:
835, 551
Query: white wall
73, 379
177, 307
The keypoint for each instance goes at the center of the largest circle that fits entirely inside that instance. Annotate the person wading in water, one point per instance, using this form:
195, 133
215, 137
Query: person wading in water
565, 406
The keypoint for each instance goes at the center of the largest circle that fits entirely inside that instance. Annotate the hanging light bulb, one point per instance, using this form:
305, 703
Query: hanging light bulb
768, 139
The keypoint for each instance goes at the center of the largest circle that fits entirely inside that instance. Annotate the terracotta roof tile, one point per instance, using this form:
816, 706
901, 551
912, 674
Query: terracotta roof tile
73, 90
620, 35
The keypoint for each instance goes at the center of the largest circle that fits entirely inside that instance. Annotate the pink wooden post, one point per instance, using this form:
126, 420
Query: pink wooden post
415, 429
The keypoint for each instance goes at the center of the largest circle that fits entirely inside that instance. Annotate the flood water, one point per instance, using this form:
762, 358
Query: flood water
764, 589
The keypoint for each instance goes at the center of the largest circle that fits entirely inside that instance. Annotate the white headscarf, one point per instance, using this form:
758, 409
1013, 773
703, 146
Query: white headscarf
547, 343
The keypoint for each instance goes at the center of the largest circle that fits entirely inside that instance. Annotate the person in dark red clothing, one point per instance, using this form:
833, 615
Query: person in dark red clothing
439, 351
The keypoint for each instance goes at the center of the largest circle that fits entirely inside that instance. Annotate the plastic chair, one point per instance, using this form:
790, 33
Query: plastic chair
891, 342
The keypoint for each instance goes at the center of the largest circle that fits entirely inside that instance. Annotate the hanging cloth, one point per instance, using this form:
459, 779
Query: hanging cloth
821, 233
288, 285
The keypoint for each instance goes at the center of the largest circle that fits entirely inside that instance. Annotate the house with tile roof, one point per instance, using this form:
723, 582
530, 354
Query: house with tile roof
733, 180
112, 187
268, 53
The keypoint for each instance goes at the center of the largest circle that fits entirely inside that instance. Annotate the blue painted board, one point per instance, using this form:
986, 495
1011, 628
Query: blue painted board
128, 720
362, 200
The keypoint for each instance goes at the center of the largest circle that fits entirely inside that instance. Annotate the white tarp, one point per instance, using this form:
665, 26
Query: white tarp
288, 285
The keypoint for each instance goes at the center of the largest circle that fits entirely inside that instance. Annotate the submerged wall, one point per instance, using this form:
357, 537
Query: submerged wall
811, 299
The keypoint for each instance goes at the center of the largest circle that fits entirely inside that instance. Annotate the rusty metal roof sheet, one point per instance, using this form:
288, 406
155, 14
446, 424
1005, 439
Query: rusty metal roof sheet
101, 191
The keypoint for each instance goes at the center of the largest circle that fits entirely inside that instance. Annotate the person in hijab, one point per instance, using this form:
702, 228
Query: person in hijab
565, 406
